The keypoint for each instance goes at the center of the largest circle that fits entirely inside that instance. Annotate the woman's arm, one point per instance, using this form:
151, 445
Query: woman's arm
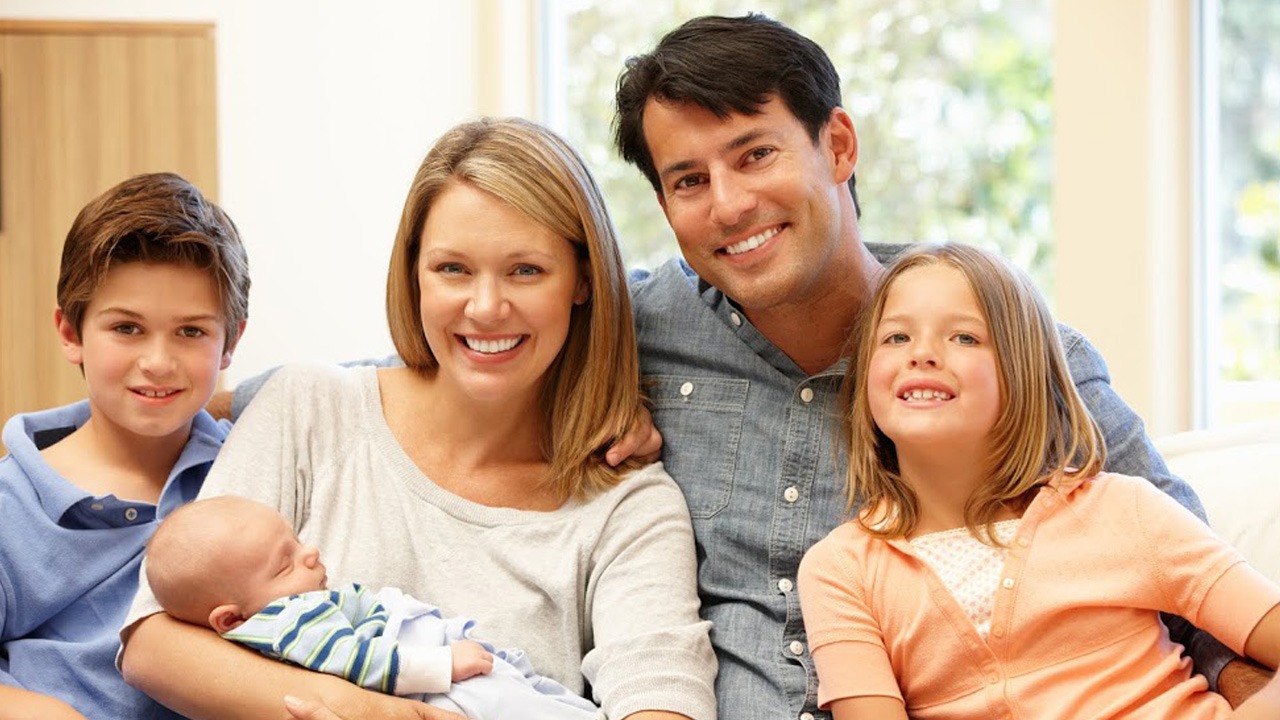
19, 704
195, 672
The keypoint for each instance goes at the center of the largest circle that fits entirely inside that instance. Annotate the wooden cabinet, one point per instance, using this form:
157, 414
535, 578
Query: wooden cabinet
82, 107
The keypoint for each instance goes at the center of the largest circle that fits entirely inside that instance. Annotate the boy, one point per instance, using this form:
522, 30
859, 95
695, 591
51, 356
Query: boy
236, 566
152, 298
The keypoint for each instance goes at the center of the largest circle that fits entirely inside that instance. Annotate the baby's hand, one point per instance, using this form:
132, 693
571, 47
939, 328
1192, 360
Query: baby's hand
470, 659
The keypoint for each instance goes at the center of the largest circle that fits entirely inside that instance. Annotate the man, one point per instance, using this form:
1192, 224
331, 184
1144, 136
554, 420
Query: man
737, 124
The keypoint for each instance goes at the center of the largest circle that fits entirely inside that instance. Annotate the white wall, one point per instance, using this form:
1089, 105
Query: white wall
325, 109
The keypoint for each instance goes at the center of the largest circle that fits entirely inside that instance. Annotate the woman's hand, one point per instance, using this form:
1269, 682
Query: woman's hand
642, 441
393, 708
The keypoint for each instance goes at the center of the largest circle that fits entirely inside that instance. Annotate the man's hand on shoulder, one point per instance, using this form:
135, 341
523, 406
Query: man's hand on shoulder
642, 441
219, 406
377, 707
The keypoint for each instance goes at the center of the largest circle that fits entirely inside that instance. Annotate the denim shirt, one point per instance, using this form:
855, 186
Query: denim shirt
751, 439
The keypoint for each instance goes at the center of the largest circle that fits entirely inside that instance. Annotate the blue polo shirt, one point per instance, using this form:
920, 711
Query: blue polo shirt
69, 565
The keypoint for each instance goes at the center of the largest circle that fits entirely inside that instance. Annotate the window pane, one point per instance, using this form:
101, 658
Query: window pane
951, 100
1247, 274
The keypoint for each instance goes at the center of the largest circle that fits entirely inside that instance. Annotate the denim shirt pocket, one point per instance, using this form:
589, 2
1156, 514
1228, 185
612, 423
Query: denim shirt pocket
701, 418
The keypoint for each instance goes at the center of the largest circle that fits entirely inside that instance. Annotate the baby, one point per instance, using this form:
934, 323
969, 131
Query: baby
236, 566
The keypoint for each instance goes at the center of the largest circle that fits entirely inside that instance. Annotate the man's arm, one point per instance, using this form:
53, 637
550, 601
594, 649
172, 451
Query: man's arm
200, 675
19, 704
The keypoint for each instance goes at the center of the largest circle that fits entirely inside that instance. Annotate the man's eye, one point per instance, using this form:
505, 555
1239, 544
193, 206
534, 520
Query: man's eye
687, 181
759, 154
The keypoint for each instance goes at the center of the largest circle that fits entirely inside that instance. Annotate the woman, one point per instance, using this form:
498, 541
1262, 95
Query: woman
471, 475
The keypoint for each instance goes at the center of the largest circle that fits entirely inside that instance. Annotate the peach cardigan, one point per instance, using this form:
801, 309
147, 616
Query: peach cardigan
1075, 631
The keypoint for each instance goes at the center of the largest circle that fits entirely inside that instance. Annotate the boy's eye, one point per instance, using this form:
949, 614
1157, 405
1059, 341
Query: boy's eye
126, 329
191, 332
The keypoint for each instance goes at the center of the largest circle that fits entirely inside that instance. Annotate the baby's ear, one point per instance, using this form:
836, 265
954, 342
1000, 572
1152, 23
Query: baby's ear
225, 618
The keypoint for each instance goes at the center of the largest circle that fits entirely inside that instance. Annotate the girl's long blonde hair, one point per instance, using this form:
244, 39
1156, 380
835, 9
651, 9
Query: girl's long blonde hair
1043, 429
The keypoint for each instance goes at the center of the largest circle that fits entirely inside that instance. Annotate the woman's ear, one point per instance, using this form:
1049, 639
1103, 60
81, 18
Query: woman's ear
583, 292
226, 618
69, 336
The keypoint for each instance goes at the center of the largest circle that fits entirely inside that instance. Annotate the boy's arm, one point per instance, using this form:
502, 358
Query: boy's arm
19, 704
162, 655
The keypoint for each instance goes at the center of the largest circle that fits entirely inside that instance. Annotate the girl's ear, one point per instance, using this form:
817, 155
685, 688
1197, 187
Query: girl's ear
72, 349
226, 618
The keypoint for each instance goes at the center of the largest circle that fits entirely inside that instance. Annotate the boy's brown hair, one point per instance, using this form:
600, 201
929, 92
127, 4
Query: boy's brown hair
157, 218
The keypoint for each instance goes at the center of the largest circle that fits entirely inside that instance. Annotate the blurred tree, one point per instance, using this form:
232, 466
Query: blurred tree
1249, 181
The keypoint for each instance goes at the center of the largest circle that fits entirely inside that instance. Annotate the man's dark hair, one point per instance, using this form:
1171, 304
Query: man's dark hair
726, 65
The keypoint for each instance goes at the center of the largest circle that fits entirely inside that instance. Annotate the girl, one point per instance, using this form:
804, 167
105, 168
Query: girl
992, 570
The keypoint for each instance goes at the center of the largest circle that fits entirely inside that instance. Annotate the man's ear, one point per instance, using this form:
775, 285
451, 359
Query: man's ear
662, 201
72, 349
231, 346
844, 145
226, 618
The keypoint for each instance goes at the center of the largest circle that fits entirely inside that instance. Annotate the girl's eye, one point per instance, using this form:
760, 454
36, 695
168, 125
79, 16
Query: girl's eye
966, 339
896, 338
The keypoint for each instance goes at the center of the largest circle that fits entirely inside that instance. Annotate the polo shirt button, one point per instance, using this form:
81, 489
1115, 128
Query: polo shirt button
797, 647
785, 585
736, 319
131, 514
686, 389
1007, 583
806, 716
806, 395
791, 494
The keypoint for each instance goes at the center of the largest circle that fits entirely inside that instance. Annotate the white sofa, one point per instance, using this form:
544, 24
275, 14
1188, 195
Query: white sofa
1236, 472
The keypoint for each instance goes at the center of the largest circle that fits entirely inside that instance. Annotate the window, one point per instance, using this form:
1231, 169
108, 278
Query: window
1240, 104
978, 68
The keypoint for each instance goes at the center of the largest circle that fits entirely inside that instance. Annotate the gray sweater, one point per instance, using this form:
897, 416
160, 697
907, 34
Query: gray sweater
603, 589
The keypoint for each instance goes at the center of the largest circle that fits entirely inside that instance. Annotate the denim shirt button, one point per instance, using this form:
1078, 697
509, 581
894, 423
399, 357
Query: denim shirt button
736, 319
686, 389
806, 396
791, 494
797, 647
785, 585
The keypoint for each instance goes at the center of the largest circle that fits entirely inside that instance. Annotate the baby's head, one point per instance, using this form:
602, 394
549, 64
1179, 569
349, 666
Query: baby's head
219, 561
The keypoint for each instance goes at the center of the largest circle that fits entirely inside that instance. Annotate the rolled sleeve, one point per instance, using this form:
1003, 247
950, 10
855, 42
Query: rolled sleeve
652, 650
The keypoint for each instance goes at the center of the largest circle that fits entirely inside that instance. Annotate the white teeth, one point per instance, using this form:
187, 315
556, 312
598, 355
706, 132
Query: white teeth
156, 393
490, 347
919, 394
752, 242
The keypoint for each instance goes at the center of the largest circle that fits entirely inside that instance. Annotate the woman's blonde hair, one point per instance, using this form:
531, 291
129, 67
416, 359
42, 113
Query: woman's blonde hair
592, 388
1043, 429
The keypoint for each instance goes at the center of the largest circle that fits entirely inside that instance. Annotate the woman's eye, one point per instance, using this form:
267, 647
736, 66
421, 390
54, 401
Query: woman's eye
527, 270
449, 268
